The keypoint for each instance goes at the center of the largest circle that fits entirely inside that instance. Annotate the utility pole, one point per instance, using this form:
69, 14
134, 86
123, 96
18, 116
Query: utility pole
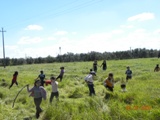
59, 50
4, 59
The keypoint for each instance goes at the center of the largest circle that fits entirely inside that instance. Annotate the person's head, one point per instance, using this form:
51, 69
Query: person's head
61, 67
41, 71
91, 70
157, 65
93, 73
37, 83
16, 73
104, 61
110, 75
128, 67
53, 79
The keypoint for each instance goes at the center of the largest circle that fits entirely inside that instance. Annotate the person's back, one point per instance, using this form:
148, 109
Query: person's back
89, 79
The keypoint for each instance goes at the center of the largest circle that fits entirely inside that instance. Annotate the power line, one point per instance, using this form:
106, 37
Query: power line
60, 11
4, 59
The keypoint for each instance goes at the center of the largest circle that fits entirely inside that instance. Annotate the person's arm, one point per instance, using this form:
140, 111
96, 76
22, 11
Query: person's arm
104, 83
37, 77
29, 90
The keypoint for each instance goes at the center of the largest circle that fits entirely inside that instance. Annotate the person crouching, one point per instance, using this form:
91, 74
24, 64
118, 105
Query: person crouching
109, 82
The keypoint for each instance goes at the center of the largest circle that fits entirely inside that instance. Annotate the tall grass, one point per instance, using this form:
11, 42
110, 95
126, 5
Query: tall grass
140, 102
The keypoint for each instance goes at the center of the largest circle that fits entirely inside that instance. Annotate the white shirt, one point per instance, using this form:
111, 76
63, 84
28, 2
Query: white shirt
89, 78
54, 86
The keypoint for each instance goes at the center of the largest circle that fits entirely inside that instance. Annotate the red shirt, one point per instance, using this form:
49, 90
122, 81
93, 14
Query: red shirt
14, 78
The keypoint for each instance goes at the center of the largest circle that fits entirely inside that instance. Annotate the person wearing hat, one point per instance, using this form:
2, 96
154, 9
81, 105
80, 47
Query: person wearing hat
109, 82
89, 80
41, 76
128, 74
61, 74
37, 92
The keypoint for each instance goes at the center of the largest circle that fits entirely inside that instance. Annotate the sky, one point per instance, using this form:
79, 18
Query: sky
39, 28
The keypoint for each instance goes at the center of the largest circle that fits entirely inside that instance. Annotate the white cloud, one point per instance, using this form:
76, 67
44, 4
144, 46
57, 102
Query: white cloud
34, 27
157, 31
61, 33
74, 33
28, 40
51, 38
126, 26
116, 40
117, 31
142, 17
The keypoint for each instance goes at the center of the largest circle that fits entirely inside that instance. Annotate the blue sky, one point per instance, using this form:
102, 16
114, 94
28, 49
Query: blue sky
38, 28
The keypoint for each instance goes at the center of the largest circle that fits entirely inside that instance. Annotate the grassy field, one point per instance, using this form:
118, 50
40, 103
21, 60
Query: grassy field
140, 102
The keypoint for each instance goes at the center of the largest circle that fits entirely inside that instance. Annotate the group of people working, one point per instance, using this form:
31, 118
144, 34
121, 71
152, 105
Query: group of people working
38, 92
108, 83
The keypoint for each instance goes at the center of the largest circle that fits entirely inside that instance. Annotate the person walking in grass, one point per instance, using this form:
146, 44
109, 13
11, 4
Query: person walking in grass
14, 79
89, 80
54, 92
128, 74
109, 82
37, 92
157, 68
41, 76
95, 66
61, 74
104, 64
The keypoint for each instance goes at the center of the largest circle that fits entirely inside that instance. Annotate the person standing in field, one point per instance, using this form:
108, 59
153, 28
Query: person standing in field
109, 82
37, 92
54, 92
41, 76
128, 74
104, 64
61, 74
14, 79
89, 80
157, 68
95, 66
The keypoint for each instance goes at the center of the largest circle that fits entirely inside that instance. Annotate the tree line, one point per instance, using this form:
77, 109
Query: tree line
90, 56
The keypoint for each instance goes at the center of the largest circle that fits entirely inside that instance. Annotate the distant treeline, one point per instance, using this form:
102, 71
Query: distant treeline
91, 56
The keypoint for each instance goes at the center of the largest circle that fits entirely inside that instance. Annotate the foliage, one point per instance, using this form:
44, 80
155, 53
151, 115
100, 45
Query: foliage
91, 56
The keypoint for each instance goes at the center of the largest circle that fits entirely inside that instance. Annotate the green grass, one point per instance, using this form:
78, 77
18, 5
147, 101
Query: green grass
140, 102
